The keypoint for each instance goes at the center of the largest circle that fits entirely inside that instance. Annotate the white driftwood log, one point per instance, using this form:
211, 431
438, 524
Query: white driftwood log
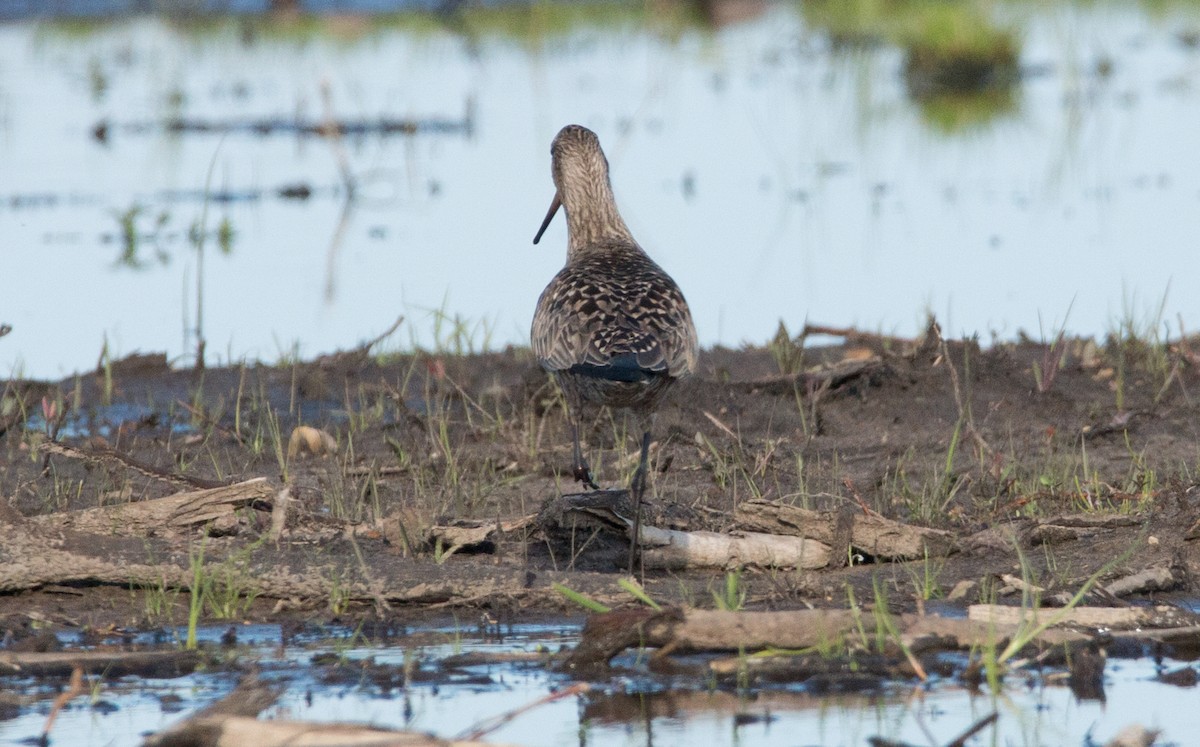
674, 550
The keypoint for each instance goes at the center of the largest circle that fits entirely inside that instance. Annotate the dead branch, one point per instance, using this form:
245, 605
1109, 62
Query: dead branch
1151, 579
670, 549
1111, 618
869, 533
465, 534
606, 635
115, 459
857, 335
110, 663
181, 511
820, 379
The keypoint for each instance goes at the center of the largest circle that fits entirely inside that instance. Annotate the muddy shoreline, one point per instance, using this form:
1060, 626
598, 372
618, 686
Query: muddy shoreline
377, 493
375, 454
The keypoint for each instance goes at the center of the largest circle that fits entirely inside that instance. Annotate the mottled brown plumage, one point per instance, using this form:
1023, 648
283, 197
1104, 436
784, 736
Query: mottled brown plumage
612, 327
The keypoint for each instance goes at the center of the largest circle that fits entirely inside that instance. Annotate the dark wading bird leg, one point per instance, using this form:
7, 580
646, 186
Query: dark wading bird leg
583, 473
636, 489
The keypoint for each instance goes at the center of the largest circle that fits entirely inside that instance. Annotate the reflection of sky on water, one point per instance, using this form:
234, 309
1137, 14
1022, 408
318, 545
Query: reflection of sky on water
771, 177
1031, 713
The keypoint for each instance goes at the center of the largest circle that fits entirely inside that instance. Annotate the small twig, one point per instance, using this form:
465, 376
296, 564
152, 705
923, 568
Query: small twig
496, 722
74, 689
366, 346
850, 333
716, 421
867, 510
977, 727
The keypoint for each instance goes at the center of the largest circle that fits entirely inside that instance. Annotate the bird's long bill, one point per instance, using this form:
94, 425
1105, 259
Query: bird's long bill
555, 204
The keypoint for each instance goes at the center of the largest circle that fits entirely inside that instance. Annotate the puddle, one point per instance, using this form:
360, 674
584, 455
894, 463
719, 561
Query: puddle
635, 708
775, 173
631, 709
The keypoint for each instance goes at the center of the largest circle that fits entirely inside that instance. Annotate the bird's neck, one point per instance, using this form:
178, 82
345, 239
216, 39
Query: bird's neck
593, 219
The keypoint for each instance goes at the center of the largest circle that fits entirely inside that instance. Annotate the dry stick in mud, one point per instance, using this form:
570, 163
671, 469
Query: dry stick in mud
670, 549
606, 635
856, 335
1112, 618
32, 556
819, 381
770, 535
177, 512
108, 663
113, 458
880, 537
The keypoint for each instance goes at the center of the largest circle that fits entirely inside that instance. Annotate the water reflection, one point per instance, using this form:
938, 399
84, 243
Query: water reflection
447, 681
778, 171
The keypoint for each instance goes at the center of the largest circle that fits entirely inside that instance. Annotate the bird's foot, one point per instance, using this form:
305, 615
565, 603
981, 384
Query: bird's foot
584, 475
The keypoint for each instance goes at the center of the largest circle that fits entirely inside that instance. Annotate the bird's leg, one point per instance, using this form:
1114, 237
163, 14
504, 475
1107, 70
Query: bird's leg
636, 489
583, 473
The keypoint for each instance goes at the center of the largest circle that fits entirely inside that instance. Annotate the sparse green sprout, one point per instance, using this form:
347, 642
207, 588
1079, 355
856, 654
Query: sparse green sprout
732, 597
582, 600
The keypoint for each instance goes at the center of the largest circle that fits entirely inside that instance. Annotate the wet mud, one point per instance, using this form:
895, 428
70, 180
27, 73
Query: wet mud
383, 492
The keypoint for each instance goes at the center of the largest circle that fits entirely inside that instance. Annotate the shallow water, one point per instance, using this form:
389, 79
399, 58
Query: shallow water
631, 710
773, 174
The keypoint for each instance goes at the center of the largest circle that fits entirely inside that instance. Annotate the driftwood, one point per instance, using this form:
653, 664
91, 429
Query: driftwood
149, 518
31, 557
467, 534
932, 633
869, 533
111, 458
1109, 618
111, 663
668, 549
576, 517
1150, 579
606, 635
1071, 527
768, 535
822, 377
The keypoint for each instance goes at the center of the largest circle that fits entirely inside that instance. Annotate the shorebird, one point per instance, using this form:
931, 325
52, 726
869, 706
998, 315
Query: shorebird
612, 327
